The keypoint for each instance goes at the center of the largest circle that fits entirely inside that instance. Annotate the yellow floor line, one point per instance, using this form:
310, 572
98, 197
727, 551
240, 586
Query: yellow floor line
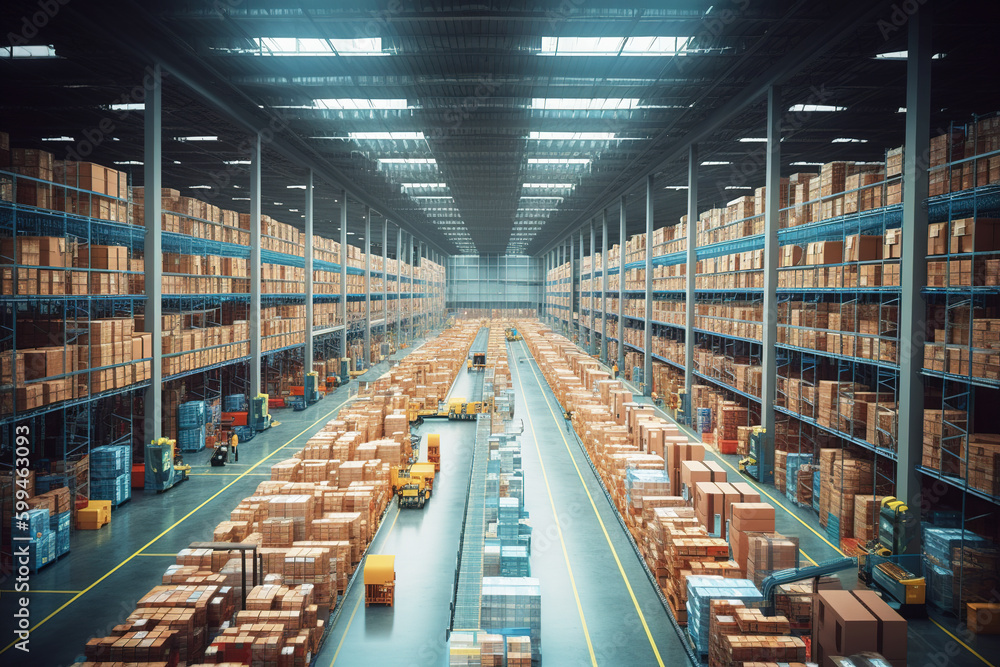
562, 541
179, 522
34, 590
229, 474
967, 647
808, 558
614, 552
361, 597
349, 621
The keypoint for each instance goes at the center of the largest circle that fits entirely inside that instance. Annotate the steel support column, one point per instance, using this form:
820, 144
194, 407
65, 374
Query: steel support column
912, 308
255, 270
621, 284
690, 268
366, 246
343, 276
153, 253
307, 366
647, 339
772, 199
604, 286
591, 333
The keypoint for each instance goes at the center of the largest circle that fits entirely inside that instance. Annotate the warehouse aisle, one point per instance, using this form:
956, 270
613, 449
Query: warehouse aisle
425, 543
598, 606
97, 585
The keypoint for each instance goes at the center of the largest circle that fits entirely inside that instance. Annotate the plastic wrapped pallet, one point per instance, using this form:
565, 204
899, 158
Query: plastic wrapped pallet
513, 602
702, 590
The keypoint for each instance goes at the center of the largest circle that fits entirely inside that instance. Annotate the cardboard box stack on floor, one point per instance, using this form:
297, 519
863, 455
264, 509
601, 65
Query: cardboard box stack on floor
312, 522
850, 622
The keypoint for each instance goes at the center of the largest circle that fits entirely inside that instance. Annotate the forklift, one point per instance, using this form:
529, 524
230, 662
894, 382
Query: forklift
889, 564
412, 484
511, 334
477, 362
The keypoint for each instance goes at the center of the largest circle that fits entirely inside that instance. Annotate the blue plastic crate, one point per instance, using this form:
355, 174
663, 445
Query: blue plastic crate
792, 464
244, 433
702, 590
42, 551
191, 415
110, 461
117, 490
60, 525
191, 439
35, 523
234, 403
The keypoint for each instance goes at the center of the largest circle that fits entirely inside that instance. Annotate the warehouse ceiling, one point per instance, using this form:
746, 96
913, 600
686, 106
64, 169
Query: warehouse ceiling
486, 127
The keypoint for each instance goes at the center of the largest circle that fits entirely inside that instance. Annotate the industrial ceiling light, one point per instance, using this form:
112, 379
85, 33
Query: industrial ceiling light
37, 51
848, 140
62, 138
715, 163
551, 186
407, 160
423, 185
236, 162
197, 138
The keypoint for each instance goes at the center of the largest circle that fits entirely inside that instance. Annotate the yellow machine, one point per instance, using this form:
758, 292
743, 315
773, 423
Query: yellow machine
511, 334
887, 566
412, 485
434, 450
477, 362
454, 409
380, 579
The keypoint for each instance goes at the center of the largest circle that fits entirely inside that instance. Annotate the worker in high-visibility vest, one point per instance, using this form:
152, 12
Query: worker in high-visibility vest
614, 371
233, 443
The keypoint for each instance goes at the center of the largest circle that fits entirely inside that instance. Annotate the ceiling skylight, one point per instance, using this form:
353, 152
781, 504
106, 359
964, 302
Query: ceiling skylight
902, 55
43, 51
559, 160
236, 162
614, 46
126, 162
62, 138
849, 140
128, 106
386, 135
715, 163
589, 103
423, 185
197, 138
572, 136
407, 160
351, 103
816, 107
550, 186
291, 46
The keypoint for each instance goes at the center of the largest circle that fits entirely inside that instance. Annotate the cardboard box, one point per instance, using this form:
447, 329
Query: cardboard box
791, 255
891, 633
861, 248
825, 252
842, 626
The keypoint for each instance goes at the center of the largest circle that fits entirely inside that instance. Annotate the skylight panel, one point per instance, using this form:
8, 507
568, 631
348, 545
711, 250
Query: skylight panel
559, 160
614, 46
572, 136
423, 185
393, 136
38, 51
715, 163
127, 162
585, 103
291, 46
551, 186
197, 138
849, 140
407, 160
902, 55
128, 106
816, 107
61, 138
360, 104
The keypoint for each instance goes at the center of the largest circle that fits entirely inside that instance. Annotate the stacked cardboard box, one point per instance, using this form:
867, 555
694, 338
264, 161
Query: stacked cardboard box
852, 622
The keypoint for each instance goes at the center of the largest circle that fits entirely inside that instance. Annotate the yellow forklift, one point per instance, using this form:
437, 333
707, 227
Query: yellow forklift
412, 484
889, 564
511, 334
455, 409
477, 362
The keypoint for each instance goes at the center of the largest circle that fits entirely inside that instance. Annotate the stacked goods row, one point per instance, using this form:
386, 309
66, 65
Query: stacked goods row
850, 328
311, 522
85, 357
558, 301
858, 261
711, 543
71, 268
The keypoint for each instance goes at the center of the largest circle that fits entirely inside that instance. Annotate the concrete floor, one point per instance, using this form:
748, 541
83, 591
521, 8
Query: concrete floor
97, 585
